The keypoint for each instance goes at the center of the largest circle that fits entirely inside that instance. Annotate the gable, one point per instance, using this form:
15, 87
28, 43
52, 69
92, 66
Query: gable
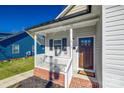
73, 9
76, 9
13, 39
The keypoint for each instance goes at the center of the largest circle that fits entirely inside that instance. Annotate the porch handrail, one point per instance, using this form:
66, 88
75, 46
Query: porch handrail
60, 58
68, 73
68, 65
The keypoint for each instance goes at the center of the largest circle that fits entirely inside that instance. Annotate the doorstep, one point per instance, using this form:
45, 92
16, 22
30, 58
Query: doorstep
86, 73
82, 81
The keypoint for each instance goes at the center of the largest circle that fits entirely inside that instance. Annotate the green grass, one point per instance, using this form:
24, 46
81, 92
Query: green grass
14, 67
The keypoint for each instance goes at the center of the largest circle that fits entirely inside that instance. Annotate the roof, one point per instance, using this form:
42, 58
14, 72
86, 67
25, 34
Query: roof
62, 18
13, 38
4, 35
12, 35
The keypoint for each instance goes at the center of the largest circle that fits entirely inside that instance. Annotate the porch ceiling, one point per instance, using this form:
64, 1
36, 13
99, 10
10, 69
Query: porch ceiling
67, 27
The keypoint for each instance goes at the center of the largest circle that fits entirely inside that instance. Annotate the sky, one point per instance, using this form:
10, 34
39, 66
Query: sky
17, 18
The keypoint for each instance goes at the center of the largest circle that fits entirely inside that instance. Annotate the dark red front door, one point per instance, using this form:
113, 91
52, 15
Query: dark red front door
86, 53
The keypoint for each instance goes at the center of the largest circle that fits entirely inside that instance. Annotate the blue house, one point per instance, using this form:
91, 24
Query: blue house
17, 46
4, 35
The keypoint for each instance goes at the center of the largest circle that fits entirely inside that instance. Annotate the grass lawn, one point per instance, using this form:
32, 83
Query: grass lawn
14, 67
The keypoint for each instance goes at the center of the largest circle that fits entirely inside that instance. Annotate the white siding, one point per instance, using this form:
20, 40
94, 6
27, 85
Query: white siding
78, 33
76, 9
81, 32
87, 31
113, 46
58, 36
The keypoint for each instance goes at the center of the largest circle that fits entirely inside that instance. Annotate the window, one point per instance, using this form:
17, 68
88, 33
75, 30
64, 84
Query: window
57, 47
64, 44
15, 49
51, 44
57, 43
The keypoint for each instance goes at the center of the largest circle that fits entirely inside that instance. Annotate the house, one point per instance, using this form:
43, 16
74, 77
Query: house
84, 47
17, 46
4, 35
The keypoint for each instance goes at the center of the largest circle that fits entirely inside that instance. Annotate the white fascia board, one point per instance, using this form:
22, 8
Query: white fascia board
64, 11
73, 20
29, 34
73, 26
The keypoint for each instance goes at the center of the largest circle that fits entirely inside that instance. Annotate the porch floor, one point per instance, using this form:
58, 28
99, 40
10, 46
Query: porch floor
82, 81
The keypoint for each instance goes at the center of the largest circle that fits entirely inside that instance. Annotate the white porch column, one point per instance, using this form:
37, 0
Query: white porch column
71, 42
35, 49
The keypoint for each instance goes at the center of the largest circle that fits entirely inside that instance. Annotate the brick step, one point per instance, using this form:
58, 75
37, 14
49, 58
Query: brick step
78, 82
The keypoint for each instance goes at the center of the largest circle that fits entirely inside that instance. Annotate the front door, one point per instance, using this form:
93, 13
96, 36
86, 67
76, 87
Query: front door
86, 53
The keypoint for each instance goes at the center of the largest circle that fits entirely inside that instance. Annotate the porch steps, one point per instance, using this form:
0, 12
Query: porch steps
82, 81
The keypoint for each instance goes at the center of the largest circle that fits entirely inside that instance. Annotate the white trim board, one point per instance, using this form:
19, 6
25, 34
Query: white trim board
74, 26
64, 11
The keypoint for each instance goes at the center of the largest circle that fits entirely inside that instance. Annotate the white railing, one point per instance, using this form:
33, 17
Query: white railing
59, 60
44, 61
64, 64
68, 73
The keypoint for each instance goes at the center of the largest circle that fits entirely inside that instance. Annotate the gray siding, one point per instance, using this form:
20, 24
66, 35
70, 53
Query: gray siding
113, 46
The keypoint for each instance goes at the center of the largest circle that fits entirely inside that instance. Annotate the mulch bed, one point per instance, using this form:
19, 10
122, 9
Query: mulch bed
35, 82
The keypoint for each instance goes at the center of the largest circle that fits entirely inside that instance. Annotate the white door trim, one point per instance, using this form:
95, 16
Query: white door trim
93, 53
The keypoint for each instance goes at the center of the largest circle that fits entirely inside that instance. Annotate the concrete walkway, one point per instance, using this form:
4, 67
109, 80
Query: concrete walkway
14, 79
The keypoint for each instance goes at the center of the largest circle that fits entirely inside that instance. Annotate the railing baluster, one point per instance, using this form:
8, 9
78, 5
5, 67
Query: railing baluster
68, 72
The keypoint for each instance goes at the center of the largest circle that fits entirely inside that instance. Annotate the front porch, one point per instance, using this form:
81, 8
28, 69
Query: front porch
61, 61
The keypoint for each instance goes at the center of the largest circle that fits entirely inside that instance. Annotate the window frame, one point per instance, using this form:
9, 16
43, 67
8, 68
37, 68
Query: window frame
13, 49
58, 44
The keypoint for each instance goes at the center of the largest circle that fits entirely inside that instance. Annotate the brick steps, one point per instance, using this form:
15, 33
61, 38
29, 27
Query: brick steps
77, 82
47, 75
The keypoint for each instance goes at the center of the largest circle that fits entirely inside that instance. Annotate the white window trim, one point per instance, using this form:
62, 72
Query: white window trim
54, 43
57, 44
13, 49
56, 40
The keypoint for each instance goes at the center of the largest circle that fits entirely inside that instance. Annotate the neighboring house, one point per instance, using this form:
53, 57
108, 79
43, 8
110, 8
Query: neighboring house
17, 46
84, 47
4, 35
